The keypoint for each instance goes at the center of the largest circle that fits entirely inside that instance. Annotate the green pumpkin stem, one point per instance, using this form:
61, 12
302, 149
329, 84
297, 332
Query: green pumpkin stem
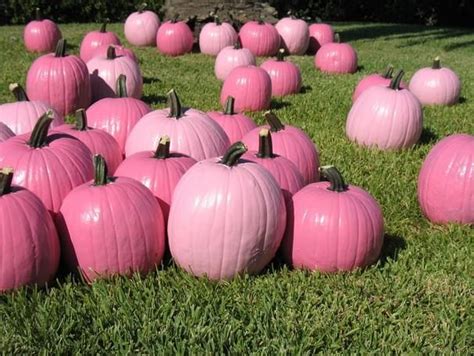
81, 120
238, 44
281, 55
436, 63
6, 177
111, 53
261, 20
103, 28
142, 7
265, 146
229, 106
61, 48
174, 103
40, 131
395, 83
331, 174
318, 20
388, 72
18, 91
100, 170
175, 18
217, 20
121, 86
274, 122
163, 149
38, 16
337, 38
233, 154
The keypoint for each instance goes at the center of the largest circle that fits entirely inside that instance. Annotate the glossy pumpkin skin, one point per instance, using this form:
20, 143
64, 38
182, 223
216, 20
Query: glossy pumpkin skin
285, 76
174, 38
41, 35
95, 39
337, 58
215, 36
373, 80
319, 35
119, 51
261, 38
226, 220
294, 35
230, 58
446, 181
251, 87
5, 132
141, 27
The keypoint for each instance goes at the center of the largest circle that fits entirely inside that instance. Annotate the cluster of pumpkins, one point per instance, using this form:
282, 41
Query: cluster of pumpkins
111, 192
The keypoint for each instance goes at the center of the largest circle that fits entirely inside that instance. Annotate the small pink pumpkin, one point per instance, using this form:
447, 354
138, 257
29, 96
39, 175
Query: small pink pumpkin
232, 57
119, 52
5, 132
227, 217
294, 35
436, 85
260, 37
141, 27
386, 117
95, 39
41, 35
215, 36
29, 244
285, 75
339, 58
446, 181
251, 87
333, 226
174, 38
319, 35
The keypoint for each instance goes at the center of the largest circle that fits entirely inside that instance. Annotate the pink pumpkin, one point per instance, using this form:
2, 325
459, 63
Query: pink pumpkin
41, 35
294, 35
446, 181
215, 36
141, 27
251, 87
50, 166
5, 132
117, 116
174, 38
285, 75
29, 245
289, 142
230, 58
436, 85
386, 117
95, 39
339, 58
261, 38
97, 141
227, 217
119, 52
319, 35
333, 226
111, 226
191, 131
22, 115
235, 125
60, 80
159, 171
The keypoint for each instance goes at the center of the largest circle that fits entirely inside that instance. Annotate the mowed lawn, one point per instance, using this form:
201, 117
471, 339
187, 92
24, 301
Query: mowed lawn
418, 298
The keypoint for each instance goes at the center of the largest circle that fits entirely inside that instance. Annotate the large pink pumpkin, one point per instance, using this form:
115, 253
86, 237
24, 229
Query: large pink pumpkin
251, 87
95, 39
232, 57
111, 226
22, 115
119, 51
60, 80
215, 36
446, 181
294, 35
227, 217
174, 38
285, 75
29, 245
333, 226
5, 132
235, 125
339, 58
319, 35
290, 142
191, 131
48, 165
436, 85
261, 38
386, 117
375, 79
141, 27
117, 116
41, 35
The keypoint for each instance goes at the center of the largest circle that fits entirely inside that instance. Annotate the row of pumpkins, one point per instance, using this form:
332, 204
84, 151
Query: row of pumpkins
224, 193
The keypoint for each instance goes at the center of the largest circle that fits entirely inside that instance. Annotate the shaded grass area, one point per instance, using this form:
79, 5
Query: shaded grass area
418, 298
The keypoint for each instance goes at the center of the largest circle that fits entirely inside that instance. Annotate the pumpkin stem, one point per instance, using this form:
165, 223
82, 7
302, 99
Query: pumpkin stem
81, 120
217, 20
318, 19
38, 16
61, 48
142, 7
174, 103
18, 91
163, 149
337, 38
103, 28
233, 154
395, 83
436, 63
281, 55
121, 86
238, 44
6, 177
388, 72
274, 122
261, 20
100, 171
175, 18
40, 131
229, 106
331, 174
111, 53
265, 146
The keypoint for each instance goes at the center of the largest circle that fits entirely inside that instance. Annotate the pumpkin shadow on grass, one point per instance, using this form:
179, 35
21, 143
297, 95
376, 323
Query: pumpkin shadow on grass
277, 104
392, 246
462, 100
154, 99
151, 80
428, 136
306, 89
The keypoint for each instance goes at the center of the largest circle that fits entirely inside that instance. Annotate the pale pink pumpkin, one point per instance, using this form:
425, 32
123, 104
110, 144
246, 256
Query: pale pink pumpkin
436, 85
289, 142
215, 36
5, 132
339, 58
227, 217
191, 131
174, 38
141, 27
375, 79
119, 51
285, 75
446, 181
251, 87
95, 39
117, 116
29, 244
22, 115
261, 38
333, 226
319, 35
235, 125
111, 226
59, 80
232, 57
386, 117
41, 35
294, 35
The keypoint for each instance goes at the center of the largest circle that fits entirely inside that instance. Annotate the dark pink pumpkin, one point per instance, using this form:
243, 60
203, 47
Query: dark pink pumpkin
319, 35
260, 37
174, 38
41, 35
285, 75
336, 57
95, 39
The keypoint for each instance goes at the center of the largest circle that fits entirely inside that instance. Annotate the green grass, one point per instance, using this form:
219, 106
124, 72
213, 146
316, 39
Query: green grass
418, 298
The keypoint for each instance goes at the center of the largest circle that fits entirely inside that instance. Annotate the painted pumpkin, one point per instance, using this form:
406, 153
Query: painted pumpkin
41, 35
215, 36
446, 181
294, 35
174, 38
261, 38
141, 27
333, 226
119, 52
227, 217
95, 39
319, 35
375, 79
338, 58
232, 57
5, 132
285, 75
